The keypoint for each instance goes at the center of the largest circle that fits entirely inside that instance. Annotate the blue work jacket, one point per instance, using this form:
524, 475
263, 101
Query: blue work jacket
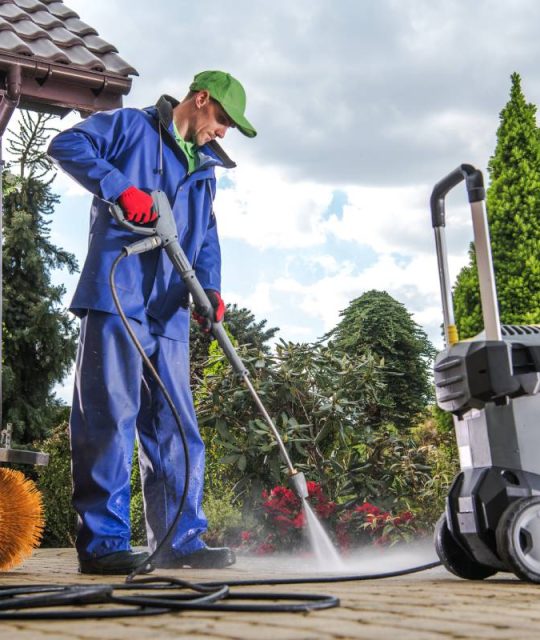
111, 151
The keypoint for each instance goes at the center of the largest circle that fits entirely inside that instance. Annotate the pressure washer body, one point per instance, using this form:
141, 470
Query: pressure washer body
164, 234
491, 386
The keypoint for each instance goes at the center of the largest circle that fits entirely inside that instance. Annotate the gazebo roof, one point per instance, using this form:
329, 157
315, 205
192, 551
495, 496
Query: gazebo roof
63, 62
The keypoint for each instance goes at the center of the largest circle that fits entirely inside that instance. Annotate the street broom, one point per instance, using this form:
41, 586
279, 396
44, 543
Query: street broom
21, 518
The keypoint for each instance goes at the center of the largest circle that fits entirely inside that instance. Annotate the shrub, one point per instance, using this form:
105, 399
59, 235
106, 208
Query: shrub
138, 522
224, 518
281, 525
54, 481
366, 524
307, 390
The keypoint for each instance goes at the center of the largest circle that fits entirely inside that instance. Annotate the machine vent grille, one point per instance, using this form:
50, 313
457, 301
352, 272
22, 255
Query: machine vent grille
520, 329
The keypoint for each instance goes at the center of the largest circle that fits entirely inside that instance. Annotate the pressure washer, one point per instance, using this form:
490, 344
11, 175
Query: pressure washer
491, 386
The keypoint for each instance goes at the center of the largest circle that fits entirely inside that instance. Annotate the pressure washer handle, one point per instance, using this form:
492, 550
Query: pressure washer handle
475, 189
118, 214
166, 236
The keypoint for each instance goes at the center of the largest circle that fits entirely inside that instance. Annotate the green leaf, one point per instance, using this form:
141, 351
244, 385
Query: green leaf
242, 463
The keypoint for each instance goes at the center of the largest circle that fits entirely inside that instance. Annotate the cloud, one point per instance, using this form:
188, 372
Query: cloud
65, 185
264, 209
378, 92
315, 264
397, 220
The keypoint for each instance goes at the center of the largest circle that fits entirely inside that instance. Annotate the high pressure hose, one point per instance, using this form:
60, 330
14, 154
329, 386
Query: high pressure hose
143, 567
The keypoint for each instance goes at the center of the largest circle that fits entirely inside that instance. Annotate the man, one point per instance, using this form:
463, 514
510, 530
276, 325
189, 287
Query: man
121, 156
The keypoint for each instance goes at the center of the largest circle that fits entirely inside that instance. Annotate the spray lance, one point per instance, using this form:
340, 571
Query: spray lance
164, 234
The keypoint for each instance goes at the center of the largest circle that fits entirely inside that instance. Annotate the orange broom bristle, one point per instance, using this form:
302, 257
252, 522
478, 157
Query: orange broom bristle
21, 518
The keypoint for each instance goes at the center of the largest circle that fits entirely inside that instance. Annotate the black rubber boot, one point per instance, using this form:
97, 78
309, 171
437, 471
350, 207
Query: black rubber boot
120, 563
205, 558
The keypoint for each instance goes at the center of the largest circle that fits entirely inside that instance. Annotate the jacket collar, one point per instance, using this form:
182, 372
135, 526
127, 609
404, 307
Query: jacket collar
164, 111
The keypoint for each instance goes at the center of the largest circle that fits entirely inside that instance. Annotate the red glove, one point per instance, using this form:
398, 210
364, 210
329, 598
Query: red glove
137, 206
219, 310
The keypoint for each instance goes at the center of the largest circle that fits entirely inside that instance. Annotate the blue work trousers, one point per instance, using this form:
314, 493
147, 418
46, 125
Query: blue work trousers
110, 407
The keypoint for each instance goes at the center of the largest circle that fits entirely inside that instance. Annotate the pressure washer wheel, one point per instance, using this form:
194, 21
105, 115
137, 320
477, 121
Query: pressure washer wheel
455, 558
518, 538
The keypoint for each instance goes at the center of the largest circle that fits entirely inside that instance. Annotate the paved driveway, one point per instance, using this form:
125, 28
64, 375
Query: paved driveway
428, 605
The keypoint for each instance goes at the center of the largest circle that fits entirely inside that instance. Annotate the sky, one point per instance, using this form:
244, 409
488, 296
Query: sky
361, 106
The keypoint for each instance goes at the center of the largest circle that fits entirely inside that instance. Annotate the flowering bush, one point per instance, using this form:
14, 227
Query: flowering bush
366, 524
282, 520
282, 523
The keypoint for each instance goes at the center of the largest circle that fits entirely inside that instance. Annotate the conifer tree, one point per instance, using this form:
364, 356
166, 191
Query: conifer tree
513, 208
376, 323
38, 337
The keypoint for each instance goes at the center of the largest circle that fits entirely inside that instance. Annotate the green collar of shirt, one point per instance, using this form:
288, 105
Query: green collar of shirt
189, 149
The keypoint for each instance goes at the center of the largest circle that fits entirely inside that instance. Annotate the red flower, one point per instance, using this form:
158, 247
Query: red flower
368, 508
283, 524
325, 509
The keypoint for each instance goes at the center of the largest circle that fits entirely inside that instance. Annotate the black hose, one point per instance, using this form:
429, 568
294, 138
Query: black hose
174, 524
17, 604
330, 579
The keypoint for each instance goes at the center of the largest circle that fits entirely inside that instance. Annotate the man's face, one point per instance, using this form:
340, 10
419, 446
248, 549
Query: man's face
211, 121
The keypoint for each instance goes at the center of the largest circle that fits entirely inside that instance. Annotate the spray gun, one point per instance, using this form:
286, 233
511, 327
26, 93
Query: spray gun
164, 234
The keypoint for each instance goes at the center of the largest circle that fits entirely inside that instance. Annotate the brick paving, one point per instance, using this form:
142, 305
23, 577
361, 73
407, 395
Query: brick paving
425, 606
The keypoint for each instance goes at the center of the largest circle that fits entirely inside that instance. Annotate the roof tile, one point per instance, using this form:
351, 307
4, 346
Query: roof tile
11, 42
60, 10
29, 30
5, 24
79, 27
82, 58
97, 45
116, 64
12, 11
45, 19
44, 48
30, 5
64, 38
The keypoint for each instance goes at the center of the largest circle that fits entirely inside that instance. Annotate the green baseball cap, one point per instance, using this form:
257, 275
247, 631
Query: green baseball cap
230, 94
